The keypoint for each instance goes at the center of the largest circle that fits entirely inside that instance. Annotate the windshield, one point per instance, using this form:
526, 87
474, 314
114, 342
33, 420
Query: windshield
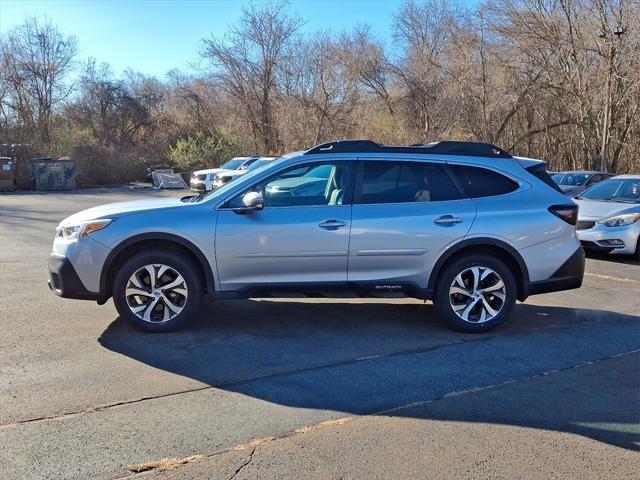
233, 163
321, 171
626, 190
572, 179
259, 163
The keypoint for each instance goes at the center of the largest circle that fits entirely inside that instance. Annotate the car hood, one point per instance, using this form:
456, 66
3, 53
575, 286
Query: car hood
209, 171
234, 173
118, 209
596, 210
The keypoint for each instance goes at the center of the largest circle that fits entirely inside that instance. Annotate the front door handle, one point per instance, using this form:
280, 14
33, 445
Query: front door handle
447, 220
332, 224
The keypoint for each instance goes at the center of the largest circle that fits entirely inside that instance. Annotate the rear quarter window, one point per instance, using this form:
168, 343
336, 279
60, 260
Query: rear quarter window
480, 182
540, 172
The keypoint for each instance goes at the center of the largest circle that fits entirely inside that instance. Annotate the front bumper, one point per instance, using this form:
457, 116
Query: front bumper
605, 239
567, 277
198, 187
64, 281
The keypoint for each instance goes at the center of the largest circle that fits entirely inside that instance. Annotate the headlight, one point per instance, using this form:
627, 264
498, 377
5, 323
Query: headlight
620, 220
74, 232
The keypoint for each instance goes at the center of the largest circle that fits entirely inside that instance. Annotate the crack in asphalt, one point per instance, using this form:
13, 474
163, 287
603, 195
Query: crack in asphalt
459, 341
244, 464
254, 444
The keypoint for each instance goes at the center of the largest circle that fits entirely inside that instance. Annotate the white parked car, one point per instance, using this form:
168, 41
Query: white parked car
227, 176
609, 216
202, 180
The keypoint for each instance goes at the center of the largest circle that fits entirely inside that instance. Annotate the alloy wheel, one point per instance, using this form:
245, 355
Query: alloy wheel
477, 294
156, 293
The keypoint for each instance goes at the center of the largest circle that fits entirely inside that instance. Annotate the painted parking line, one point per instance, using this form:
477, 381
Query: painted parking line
608, 277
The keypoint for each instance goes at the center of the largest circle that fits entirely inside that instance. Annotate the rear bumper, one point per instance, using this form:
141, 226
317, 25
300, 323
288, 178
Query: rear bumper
64, 281
567, 277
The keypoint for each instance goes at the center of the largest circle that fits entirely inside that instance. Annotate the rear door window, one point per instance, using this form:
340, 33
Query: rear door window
403, 182
480, 182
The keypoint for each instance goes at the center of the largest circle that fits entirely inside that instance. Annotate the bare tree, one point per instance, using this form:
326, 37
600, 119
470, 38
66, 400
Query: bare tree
108, 107
36, 58
423, 30
246, 61
544, 78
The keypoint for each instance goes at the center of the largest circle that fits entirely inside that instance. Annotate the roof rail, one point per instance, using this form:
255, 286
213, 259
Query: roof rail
447, 147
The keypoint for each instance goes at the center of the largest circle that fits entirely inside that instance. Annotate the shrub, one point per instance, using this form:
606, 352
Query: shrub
205, 150
98, 165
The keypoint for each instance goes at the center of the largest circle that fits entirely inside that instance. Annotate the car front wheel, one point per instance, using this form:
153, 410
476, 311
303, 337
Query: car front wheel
157, 291
475, 293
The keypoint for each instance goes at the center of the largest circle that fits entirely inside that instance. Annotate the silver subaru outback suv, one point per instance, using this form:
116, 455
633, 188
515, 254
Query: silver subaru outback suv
463, 224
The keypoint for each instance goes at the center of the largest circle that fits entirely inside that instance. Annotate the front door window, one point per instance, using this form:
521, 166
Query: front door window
311, 185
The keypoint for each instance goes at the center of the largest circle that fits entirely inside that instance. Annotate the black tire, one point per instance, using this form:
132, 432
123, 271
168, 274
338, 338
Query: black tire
189, 304
443, 304
636, 255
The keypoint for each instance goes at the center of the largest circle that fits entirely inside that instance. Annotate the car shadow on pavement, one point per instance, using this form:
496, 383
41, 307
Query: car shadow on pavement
362, 358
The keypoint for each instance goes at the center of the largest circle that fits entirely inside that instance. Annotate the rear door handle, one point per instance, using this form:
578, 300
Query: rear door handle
332, 224
447, 220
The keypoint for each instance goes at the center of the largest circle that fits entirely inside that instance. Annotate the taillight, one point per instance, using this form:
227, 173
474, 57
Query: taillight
568, 213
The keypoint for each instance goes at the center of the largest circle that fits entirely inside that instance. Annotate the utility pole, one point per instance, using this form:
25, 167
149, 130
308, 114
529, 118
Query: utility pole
606, 120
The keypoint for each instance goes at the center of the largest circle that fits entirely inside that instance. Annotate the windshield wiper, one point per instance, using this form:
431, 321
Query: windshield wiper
608, 199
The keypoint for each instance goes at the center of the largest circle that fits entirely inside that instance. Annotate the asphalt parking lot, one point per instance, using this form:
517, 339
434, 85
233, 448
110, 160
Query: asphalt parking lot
307, 388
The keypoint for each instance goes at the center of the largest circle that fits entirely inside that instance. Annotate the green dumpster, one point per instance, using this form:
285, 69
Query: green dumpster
50, 174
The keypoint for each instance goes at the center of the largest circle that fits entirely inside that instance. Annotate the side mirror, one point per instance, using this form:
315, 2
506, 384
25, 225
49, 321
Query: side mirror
251, 202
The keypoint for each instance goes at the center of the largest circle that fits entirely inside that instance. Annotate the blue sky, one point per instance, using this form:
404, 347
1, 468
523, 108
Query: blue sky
154, 36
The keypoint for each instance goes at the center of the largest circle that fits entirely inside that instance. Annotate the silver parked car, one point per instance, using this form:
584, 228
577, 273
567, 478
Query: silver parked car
464, 224
609, 219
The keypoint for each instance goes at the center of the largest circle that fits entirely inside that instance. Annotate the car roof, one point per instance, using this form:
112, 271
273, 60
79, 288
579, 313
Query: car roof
444, 147
630, 176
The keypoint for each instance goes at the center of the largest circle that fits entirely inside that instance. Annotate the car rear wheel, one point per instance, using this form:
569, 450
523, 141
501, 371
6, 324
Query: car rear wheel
475, 293
157, 291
